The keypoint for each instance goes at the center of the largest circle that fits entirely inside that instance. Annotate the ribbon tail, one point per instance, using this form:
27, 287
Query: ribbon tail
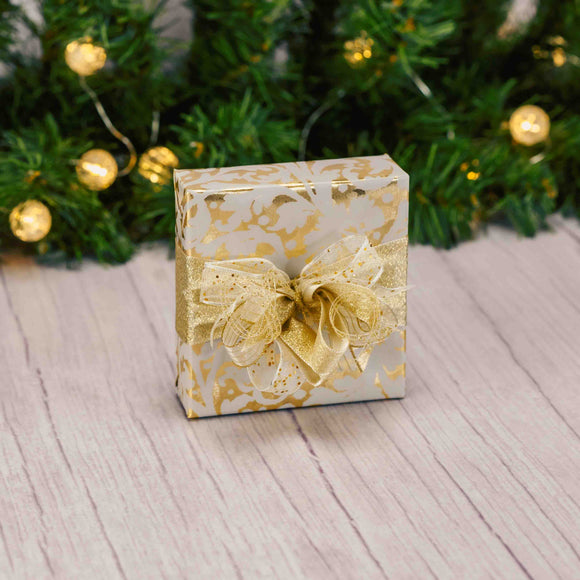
278, 372
300, 355
315, 356
355, 360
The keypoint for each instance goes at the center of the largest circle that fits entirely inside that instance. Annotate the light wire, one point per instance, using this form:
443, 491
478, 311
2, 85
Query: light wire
112, 129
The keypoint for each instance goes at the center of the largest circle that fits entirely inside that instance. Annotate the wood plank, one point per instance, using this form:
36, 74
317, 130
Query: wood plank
473, 475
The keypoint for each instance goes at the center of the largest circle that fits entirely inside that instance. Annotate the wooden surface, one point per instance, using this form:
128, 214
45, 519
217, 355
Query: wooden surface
475, 475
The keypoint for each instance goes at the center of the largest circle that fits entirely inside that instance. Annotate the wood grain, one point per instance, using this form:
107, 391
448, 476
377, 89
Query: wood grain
474, 475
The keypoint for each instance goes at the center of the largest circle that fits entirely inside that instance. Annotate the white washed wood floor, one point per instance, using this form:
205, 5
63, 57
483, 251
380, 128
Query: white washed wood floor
475, 475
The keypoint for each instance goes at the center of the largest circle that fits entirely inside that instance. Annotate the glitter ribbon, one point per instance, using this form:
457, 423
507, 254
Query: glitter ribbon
288, 332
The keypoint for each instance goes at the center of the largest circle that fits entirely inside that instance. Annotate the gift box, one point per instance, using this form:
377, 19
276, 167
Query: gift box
290, 284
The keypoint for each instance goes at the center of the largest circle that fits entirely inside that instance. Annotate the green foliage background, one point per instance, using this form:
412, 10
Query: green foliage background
260, 76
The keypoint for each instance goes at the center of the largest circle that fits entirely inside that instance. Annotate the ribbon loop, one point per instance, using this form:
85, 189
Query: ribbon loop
288, 332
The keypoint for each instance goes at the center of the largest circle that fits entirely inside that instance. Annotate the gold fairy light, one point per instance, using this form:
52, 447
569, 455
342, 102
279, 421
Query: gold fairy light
556, 52
359, 49
529, 125
559, 57
471, 174
550, 189
157, 164
30, 221
84, 57
557, 40
409, 25
199, 148
97, 169
32, 175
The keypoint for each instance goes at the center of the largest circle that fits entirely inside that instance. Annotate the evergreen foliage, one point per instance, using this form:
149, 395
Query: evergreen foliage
273, 80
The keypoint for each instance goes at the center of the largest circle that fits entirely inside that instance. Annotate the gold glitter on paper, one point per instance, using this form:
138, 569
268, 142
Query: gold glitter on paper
380, 386
399, 371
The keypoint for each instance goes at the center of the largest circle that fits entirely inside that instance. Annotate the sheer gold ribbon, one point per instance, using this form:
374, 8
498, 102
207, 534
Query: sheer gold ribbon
287, 332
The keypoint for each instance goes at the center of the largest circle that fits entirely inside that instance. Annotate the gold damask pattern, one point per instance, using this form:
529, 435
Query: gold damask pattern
286, 213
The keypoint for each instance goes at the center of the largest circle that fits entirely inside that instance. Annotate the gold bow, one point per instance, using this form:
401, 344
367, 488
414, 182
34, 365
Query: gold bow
288, 332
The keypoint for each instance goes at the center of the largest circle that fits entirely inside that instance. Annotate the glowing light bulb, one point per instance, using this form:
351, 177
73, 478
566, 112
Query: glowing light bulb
529, 125
84, 57
157, 165
30, 221
97, 169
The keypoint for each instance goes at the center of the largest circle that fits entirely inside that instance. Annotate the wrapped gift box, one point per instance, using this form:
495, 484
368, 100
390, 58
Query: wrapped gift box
286, 213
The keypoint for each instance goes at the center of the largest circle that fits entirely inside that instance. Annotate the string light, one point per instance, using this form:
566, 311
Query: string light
529, 125
358, 50
556, 52
84, 57
559, 57
32, 175
199, 148
550, 189
409, 25
157, 164
97, 169
30, 221
472, 174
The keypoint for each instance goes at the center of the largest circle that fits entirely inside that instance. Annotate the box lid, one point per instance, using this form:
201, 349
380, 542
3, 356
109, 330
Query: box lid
288, 212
